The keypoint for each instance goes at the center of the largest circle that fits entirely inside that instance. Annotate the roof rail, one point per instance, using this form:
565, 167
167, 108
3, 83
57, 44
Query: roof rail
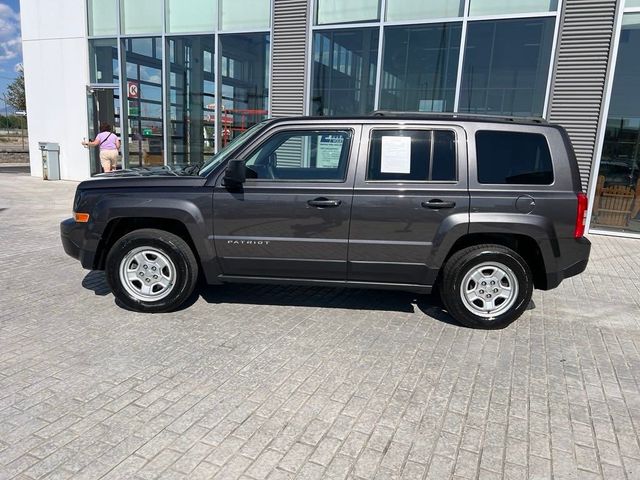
458, 116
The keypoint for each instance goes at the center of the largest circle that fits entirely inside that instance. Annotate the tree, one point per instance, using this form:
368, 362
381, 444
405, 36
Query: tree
15, 92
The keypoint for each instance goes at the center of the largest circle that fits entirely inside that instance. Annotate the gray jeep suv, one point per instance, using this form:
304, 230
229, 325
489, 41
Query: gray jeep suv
483, 208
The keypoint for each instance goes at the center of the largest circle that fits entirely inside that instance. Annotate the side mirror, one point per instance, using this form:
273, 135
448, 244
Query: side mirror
235, 174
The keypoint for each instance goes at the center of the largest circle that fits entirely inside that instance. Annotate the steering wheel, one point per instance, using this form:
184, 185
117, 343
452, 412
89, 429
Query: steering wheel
270, 165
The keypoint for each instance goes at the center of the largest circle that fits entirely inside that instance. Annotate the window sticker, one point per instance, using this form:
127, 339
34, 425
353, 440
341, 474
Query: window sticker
329, 151
396, 155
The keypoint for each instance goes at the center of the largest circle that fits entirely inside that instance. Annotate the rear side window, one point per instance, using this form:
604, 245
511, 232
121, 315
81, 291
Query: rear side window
517, 158
412, 155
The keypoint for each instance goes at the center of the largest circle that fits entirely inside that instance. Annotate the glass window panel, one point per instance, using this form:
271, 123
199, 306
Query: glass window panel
245, 82
142, 16
103, 17
302, 156
513, 158
421, 9
506, 66
192, 101
420, 67
632, 3
501, 7
344, 71
421, 167
190, 15
143, 103
343, 11
245, 14
103, 61
616, 205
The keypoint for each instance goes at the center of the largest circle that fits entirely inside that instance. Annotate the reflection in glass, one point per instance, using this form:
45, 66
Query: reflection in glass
144, 101
616, 205
103, 61
103, 107
421, 9
142, 16
190, 15
343, 11
420, 67
501, 7
344, 71
103, 17
191, 100
244, 72
245, 15
506, 66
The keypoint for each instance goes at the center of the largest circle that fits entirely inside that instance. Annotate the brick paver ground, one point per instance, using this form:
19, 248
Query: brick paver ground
260, 382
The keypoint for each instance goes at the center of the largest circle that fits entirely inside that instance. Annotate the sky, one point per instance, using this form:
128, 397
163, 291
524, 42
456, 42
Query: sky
10, 44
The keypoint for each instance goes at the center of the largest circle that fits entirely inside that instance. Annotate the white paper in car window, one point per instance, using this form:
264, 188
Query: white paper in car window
329, 151
396, 155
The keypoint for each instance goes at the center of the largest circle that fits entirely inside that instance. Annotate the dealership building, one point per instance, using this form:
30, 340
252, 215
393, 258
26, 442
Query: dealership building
178, 79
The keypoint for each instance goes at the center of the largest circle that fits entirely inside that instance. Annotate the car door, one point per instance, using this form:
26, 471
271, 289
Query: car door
290, 219
410, 189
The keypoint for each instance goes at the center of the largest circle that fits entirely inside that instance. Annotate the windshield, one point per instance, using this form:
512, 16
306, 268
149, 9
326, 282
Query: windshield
219, 157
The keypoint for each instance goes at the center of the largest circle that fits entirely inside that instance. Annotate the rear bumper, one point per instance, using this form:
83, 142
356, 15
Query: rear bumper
72, 237
575, 254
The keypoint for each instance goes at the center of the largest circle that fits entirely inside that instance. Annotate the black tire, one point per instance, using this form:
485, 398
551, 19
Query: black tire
462, 263
178, 252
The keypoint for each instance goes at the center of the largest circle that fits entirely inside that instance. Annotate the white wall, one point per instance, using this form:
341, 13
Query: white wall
55, 56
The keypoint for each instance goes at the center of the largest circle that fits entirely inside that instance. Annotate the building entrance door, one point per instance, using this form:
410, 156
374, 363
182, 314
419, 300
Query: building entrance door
103, 103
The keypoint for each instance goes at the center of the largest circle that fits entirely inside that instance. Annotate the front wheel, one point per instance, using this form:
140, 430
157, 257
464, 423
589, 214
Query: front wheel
486, 286
151, 270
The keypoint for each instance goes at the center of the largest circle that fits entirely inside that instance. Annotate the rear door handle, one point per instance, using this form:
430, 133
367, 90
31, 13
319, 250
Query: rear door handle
437, 204
324, 203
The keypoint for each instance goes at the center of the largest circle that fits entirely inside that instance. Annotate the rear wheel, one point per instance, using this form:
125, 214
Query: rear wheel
486, 286
151, 270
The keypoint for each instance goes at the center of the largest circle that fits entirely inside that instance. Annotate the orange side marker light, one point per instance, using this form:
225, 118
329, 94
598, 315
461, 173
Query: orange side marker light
81, 217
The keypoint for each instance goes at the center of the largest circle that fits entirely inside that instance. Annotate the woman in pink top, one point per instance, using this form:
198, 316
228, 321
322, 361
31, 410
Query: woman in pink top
109, 145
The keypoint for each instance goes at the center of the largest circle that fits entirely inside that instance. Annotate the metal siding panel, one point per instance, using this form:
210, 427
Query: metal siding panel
289, 57
582, 60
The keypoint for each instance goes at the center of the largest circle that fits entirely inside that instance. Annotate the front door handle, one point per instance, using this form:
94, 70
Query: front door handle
324, 203
437, 204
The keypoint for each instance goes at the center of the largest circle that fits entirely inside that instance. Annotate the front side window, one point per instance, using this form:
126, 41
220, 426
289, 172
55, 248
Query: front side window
302, 156
412, 156
513, 158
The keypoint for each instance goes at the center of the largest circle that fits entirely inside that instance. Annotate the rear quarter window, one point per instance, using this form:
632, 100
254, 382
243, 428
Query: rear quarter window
513, 158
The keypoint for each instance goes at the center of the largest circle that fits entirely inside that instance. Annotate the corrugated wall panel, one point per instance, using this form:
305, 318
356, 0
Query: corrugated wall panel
582, 59
289, 57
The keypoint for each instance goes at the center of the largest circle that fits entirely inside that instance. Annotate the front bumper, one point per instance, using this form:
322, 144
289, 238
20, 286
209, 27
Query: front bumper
72, 236
575, 254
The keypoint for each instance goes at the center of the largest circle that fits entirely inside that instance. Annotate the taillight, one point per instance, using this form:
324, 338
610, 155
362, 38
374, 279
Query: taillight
581, 216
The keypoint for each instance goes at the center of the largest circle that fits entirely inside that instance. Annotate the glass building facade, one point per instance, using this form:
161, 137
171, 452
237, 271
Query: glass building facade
195, 74
474, 56
616, 199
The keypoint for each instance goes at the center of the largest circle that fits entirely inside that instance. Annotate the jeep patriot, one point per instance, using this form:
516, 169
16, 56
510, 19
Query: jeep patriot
485, 209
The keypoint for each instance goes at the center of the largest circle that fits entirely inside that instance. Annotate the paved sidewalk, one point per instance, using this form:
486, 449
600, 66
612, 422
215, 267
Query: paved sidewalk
259, 382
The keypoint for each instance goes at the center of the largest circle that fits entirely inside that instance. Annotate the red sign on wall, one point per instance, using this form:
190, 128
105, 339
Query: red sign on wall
133, 90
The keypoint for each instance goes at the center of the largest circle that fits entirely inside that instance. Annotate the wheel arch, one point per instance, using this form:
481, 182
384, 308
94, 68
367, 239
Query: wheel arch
527, 247
116, 228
